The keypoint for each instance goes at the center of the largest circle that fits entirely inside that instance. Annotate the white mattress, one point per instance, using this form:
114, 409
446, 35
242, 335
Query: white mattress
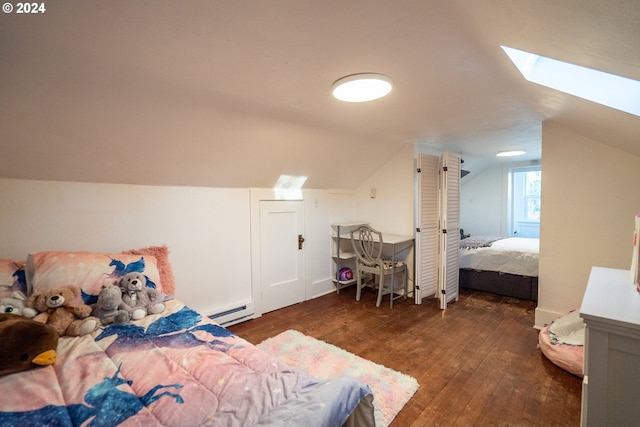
513, 255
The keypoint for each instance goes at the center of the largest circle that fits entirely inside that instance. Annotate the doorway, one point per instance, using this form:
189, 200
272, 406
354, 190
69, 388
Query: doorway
282, 261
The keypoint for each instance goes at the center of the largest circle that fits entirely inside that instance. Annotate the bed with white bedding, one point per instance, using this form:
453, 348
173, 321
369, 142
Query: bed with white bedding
504, 266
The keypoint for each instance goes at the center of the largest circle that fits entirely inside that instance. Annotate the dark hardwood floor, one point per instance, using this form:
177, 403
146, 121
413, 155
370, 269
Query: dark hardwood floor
477, 363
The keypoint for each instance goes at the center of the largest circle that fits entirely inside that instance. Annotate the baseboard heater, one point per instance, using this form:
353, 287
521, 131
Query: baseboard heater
234, 315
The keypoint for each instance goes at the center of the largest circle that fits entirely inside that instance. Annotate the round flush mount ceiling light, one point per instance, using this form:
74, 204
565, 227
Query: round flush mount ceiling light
511, 153
362, 87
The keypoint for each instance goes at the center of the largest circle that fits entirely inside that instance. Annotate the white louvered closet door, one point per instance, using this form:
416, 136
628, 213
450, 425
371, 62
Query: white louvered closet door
448, 285
437, 227
427, 227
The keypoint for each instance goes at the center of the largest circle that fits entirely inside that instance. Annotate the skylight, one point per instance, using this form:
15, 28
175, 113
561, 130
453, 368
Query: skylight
607, 89
289, 187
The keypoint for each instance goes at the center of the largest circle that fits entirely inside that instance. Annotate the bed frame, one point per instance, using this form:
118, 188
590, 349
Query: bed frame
505, 284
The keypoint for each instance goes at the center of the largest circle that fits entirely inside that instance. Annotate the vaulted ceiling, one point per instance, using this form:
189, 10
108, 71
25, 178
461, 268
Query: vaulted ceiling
230, 93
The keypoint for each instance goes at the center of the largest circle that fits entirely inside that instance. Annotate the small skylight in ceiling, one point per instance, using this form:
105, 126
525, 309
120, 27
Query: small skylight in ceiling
607, 89
289, 187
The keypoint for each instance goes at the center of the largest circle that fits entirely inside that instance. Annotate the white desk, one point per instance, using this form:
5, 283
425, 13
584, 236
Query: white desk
397, 243
393, 246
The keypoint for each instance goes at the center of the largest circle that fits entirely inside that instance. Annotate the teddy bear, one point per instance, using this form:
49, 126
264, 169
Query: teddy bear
16, 303
58, 308
137, 298
107, 308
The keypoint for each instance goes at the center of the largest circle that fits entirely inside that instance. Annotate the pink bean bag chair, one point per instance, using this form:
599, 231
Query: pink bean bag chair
562, 342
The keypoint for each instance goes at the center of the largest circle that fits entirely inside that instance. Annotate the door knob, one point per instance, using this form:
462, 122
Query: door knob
300, 241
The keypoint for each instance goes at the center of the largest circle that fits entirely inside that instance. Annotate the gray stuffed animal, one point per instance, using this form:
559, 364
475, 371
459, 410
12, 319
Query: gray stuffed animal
137, 298
108, 308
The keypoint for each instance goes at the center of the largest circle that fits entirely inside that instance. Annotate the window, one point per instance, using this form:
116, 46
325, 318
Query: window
607, 89
524, 201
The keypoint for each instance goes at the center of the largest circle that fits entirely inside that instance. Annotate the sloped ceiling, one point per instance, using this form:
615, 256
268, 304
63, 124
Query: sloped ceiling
234, 93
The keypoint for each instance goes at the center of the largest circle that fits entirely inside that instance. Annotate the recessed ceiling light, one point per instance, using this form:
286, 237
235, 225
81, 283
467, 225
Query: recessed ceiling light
510, 153
362, 87
607, 89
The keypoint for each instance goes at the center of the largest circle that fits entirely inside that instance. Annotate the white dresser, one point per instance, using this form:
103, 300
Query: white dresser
611, 387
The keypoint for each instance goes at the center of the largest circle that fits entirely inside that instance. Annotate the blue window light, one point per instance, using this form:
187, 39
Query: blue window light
607, 89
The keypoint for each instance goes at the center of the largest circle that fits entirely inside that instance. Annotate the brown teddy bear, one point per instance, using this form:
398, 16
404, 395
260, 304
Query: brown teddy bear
57, 308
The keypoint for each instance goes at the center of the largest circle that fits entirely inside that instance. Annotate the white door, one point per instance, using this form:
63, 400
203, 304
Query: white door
281, 254
448, 285
427, 227
437, 227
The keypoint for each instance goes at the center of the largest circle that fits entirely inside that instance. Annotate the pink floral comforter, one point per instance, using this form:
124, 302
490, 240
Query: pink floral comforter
173, 369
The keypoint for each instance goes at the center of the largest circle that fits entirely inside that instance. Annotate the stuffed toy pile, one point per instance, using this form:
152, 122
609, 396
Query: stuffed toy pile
30, 327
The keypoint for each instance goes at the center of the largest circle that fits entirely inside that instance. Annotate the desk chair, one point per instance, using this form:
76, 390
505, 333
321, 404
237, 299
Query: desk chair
367, 245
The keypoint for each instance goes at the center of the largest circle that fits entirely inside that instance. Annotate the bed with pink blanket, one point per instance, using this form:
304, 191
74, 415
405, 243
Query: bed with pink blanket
176, 368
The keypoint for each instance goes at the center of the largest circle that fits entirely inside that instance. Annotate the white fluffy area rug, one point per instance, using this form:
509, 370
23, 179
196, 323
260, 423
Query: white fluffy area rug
391, 389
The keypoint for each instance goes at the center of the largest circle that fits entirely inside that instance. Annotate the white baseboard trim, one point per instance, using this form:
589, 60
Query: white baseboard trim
321, 287
544, 317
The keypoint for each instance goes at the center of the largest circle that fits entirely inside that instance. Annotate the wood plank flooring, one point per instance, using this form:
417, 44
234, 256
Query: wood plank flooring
477, 363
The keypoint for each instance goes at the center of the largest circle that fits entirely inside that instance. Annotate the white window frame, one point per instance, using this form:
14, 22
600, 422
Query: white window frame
513, 217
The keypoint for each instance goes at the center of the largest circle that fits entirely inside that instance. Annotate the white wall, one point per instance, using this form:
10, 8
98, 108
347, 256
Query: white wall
589, 200
391, 210
323, 208
483, 202
207, 231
